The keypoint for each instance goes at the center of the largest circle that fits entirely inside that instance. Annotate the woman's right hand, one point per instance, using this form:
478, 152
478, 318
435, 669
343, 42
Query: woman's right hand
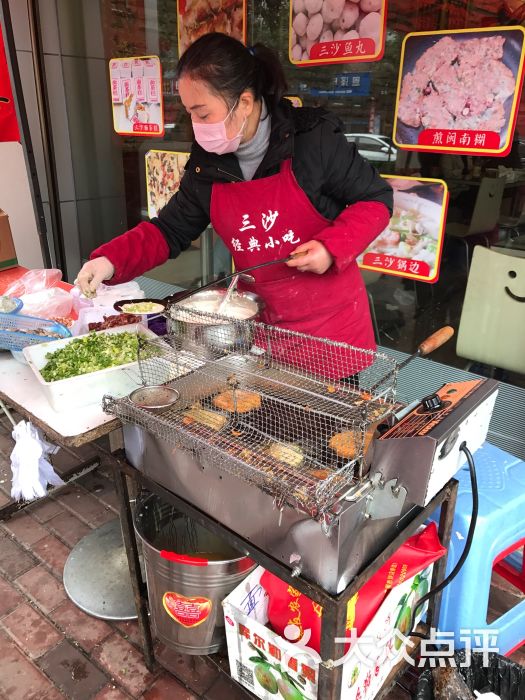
92, 274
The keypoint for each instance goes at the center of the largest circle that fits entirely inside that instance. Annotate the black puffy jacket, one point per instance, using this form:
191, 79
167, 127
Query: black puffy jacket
328, 169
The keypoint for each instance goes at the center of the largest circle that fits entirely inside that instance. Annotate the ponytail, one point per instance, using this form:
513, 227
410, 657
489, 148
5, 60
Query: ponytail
229, 68
272, 83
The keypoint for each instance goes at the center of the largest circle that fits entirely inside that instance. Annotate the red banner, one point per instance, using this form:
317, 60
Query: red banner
417, 268
343, 49
459, 138
146, 128
8, 122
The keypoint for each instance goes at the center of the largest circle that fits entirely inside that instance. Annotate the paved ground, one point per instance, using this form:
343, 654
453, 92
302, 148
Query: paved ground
49, 649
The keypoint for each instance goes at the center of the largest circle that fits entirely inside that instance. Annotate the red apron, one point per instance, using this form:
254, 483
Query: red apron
265, 219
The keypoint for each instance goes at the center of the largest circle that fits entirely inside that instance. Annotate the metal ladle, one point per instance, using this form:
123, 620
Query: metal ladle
231, 289
180, 296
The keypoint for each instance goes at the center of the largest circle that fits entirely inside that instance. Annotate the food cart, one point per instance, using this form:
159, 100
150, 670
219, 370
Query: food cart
323, 514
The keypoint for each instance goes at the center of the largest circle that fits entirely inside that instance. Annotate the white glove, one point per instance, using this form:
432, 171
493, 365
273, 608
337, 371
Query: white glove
92, 274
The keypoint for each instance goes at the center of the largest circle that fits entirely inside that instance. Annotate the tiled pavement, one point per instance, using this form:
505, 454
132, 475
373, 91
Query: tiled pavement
49, 649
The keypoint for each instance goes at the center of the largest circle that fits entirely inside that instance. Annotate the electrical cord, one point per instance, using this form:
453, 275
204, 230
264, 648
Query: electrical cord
468, 543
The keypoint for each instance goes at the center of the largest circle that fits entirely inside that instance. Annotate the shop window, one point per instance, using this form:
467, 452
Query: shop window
406, 311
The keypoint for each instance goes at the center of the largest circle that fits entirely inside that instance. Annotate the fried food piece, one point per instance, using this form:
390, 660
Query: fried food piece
237, 400
215, 421
320, 474
290, 454
347, 446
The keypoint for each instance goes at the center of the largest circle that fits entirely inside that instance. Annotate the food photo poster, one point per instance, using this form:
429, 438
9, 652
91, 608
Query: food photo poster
196, 18
459, 91
412, 243
164, 171
136, 96
323, 32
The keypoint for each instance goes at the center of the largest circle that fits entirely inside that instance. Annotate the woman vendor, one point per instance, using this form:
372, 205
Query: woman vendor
273, 180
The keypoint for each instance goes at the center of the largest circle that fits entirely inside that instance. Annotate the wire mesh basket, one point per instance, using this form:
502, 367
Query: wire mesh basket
291, 413
17, 331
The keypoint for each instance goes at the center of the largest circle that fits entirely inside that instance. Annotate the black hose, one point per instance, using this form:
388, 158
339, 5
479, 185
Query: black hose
470, 536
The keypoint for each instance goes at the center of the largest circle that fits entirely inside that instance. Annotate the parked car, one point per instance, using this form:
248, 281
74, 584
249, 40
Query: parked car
374, 147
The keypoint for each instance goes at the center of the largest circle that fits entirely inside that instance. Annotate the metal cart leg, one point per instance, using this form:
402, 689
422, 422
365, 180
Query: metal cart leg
130, 544
7, 412
446, 521
333, 626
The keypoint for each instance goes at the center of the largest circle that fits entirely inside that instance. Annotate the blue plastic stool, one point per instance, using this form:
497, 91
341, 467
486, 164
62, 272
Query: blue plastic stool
500, 525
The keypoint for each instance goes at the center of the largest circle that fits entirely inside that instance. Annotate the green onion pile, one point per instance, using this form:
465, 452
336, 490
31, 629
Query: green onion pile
90, 353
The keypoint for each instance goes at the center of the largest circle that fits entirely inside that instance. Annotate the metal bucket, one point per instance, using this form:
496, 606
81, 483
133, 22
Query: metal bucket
186, 591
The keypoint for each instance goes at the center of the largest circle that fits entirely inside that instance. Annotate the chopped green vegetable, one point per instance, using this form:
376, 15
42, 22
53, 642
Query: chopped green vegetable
90, 353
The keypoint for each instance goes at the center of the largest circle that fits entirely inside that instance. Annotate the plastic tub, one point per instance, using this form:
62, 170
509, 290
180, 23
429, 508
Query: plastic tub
86, 389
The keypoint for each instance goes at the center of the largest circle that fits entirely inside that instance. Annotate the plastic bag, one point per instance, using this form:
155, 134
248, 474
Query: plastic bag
32, 473
34, 281
107, 295
501, 676
48, 303
286, 606
40, 294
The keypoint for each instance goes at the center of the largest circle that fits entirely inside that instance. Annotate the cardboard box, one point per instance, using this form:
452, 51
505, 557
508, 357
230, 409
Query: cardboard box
258, 657
7, 247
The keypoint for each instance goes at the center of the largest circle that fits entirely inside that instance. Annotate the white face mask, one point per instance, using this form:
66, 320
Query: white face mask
213, 138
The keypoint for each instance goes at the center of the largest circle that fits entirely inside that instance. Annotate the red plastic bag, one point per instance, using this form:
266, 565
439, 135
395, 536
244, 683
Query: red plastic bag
34, 281
287, 606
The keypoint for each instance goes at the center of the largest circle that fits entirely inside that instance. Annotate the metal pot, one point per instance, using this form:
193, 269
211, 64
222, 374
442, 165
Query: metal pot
205, 333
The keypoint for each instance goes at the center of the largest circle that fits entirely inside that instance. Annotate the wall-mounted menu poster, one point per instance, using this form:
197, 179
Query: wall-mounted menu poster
198, 17
336, 31
164, 171
411, 244
136, 96
458, 91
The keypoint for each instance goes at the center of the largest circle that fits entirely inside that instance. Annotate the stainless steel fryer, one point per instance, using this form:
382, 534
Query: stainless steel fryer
251, 442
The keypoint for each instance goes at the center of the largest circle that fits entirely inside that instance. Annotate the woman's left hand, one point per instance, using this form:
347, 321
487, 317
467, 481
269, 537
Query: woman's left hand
311, 257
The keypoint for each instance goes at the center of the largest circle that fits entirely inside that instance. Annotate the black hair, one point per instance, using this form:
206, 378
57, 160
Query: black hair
229, 68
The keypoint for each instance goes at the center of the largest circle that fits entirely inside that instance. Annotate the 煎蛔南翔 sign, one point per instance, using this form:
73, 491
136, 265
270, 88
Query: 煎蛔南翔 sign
471, 107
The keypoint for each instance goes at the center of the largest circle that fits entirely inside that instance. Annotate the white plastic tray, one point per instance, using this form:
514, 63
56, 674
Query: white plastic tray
86, 389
